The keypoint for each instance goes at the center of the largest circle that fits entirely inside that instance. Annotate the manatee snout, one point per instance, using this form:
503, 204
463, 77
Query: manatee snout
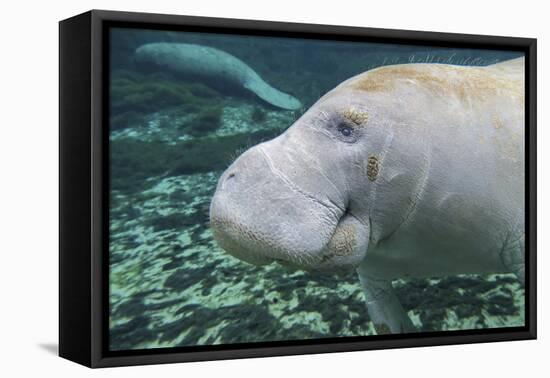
257, 216
260, 214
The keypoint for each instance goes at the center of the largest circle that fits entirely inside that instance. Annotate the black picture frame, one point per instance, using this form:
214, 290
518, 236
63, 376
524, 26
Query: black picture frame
83, 181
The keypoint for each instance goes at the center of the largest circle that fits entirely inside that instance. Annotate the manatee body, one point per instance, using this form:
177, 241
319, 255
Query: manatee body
215, 64
412, 170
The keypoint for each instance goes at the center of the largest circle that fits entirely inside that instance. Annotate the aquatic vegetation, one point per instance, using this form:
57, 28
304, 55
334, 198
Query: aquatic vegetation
202, 91
213, 153
207, 121
127, 119
135, 95
258, 115
135, 162
176, 221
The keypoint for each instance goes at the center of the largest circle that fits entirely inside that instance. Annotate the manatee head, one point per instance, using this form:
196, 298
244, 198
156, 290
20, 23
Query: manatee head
168, 56
302, 198
150, 55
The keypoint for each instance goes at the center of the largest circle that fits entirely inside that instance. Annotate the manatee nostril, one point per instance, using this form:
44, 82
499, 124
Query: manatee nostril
230, 177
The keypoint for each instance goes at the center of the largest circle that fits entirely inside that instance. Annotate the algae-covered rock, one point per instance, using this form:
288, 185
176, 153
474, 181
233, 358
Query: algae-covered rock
208, 120
258, 115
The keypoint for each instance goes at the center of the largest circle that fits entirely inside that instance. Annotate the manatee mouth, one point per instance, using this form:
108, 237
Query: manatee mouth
259, 216
343, 252
231, 237
250, 243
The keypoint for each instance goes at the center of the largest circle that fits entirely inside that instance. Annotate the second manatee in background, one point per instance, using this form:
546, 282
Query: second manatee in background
213, 63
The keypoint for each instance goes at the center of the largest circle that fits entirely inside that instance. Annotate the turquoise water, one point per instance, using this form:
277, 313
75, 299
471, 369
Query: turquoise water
171, 137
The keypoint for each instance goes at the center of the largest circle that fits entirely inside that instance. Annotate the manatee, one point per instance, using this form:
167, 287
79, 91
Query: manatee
215, 64
411, 170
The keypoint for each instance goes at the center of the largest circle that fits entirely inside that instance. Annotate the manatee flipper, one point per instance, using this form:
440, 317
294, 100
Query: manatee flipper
271, 95
385, 311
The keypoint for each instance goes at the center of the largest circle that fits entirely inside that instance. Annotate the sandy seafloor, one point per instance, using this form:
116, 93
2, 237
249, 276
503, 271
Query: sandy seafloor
171, 285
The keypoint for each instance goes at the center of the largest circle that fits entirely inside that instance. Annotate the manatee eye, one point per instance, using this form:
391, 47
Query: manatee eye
345, 130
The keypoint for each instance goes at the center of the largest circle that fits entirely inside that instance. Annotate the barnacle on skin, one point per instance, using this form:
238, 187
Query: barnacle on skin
356, 116
344, 242
497, 122
372, 168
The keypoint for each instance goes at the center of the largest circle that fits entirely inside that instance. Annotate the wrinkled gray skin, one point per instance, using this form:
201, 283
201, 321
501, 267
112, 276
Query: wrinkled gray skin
188, 58
403, 171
